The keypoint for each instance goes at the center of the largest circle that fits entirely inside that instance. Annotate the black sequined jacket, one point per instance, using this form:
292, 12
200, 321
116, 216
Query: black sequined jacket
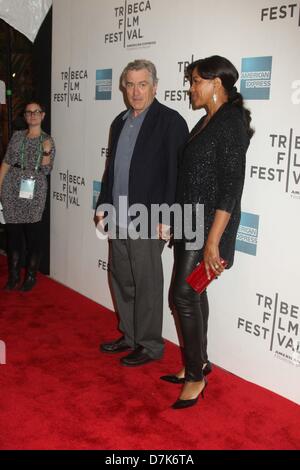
212, 172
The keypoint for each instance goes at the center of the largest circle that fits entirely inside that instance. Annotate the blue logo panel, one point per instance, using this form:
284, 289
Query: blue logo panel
96, 192
246, 240
256, 78
103, 84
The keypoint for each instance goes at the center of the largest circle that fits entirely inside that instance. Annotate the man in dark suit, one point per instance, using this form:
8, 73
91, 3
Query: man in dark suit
142, 169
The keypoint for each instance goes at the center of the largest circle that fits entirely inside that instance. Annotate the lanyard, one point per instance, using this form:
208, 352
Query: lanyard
40, 151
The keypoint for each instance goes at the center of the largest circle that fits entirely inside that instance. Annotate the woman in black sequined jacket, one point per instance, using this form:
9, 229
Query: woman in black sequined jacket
212, 171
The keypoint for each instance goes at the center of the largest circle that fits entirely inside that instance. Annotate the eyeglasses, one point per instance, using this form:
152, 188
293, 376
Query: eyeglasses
36, 112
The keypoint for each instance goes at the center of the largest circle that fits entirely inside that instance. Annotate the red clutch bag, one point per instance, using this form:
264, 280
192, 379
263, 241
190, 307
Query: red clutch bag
198, 279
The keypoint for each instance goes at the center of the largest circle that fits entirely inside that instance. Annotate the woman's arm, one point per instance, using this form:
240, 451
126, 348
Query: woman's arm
48, 157
3, 171
46, 160
211, 255
231, 153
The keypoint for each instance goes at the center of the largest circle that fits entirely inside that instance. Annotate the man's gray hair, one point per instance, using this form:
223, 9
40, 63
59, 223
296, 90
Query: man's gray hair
140, 64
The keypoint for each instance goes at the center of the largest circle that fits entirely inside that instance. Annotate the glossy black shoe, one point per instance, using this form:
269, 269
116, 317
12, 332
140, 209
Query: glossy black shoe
117, 346
173, 379
180, 404
29, 283
138, 357
180, 380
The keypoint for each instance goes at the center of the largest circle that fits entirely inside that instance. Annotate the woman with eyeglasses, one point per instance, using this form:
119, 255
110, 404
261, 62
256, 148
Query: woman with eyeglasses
23, 190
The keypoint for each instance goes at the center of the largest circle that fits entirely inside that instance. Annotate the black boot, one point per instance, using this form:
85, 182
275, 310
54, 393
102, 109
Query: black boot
13, 271
13, 280
29, 282
30, 278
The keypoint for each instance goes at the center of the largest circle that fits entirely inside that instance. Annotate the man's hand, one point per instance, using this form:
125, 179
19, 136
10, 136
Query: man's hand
100, 226
98, 218
163, 232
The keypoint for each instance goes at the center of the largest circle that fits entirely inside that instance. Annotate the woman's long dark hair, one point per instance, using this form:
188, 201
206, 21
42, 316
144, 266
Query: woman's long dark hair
217, 66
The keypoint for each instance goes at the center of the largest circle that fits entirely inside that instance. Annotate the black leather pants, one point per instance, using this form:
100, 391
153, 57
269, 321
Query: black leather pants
192, 309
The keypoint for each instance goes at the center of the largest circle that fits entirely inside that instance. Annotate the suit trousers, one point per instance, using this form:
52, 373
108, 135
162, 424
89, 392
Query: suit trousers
192, 309
137, 282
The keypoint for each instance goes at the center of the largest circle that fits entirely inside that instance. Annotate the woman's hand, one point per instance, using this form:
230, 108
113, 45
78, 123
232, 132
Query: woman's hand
212, 260
211, 254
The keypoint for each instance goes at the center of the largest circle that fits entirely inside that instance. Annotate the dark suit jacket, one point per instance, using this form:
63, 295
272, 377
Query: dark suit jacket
153, 168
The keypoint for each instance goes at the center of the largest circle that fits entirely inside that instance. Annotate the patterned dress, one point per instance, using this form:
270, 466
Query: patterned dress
17, 210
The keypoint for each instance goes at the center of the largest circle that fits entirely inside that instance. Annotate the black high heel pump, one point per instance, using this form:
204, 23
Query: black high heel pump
179, 404
180, 380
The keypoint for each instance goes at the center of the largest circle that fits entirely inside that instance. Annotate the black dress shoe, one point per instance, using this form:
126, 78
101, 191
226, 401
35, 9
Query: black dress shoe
119, 345
180, 404
138, 357
180, 380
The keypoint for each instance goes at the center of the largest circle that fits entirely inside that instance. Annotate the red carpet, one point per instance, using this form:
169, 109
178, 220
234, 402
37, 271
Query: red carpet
59, 392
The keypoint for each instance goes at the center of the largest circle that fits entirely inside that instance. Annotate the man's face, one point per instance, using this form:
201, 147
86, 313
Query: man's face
140, 90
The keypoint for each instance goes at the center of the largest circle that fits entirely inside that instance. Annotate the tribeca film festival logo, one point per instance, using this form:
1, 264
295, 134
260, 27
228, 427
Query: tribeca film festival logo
256, 78
69, 189
279, 327
104, 152
103, 84
2, 352
246, 240
104, 265
286, 167
281, 12
71, 86
180, 94
128, 23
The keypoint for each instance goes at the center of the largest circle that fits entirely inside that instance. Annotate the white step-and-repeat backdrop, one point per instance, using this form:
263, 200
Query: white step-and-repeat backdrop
255, 307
